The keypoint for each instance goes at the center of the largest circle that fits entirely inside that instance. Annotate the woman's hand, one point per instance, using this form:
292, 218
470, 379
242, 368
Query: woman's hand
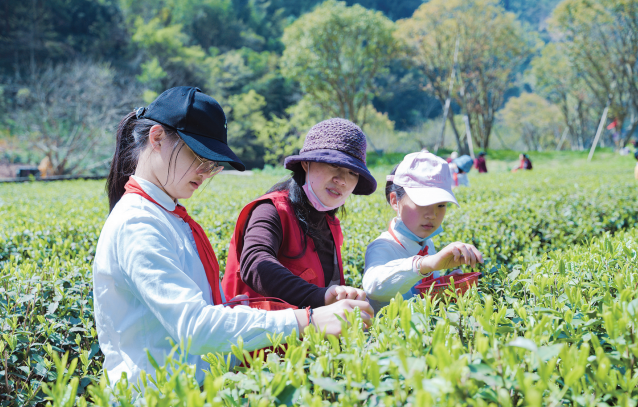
326, 318
341, 292
453, 255
237, 298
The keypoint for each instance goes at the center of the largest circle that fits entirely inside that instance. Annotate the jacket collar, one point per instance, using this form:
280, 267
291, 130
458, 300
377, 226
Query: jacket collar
156, 193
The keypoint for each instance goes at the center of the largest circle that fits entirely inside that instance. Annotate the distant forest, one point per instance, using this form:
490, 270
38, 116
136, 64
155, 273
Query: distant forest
34, 32
69, 69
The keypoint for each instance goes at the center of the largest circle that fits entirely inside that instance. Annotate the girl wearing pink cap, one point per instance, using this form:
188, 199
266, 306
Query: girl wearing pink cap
418, 189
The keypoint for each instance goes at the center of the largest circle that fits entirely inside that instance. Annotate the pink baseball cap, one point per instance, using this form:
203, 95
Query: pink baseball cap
426, 178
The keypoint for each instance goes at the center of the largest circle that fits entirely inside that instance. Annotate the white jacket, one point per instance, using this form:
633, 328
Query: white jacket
149, 284
390, 268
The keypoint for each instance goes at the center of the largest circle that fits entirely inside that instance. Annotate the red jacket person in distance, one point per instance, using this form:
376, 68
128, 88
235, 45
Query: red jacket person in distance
287, 243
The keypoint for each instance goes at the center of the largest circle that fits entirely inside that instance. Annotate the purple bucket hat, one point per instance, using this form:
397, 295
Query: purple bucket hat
340, 142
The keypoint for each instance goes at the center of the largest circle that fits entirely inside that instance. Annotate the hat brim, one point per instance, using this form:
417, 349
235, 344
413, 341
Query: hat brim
212, 149
366, 185
430, 196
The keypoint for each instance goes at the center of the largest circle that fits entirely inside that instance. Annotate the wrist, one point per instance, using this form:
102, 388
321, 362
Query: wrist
424, 266
302, 320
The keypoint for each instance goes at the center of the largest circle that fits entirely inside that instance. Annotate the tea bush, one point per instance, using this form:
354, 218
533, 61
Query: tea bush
549, 301
560, 331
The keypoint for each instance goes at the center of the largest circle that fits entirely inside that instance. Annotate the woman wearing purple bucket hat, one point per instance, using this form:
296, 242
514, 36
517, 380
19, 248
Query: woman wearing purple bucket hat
287, 243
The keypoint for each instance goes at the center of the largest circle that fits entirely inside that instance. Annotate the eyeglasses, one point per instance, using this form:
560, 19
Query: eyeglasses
206, 166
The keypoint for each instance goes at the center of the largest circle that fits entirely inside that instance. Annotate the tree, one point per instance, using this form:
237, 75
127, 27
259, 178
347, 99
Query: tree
537, 120
558, 81
600, 37
69, 112
169, 60
391, 8
283, 136
336, 53
492, 45
243, 70
245, 121
215, 24
35, 31
534, 12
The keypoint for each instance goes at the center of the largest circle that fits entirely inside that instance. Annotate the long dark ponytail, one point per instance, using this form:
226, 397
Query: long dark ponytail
131, 139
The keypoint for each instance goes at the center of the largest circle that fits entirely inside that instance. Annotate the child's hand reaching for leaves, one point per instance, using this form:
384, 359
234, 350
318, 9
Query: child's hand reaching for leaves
453, 255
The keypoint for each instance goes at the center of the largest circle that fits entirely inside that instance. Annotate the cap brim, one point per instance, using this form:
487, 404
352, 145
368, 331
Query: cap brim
366, 185
430, 196
212, 149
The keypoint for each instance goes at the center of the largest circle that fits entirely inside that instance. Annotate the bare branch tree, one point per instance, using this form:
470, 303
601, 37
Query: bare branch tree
600, 38
492, 44
69, 112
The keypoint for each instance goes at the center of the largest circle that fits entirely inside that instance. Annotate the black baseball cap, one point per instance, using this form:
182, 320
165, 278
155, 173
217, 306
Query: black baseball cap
199, 120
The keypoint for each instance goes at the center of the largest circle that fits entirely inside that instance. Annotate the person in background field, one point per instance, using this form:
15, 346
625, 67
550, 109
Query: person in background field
155, 274
524, 164
287, 243
459, 168
45, 167
418, 189
480, 163
452, 157
636, 168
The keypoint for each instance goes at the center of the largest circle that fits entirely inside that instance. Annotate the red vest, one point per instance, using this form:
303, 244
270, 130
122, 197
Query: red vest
307, 266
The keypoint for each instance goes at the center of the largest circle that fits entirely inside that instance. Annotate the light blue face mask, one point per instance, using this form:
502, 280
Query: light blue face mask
400, 227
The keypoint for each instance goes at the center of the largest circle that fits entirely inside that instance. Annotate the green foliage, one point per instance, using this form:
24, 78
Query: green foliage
557, 79
551, 322
492, 44
245, 119
339, 58
285, 136
34, 32
46, 304
393, 9
336, 53
218, 24
537, 120
594, 34
230, 47
533, 12
556, 331
170, 61
281, 139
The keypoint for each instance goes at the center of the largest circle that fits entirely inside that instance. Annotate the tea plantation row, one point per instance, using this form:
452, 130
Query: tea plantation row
542, 315
561, 331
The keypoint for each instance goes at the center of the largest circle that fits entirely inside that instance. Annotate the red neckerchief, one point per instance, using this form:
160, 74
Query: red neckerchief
423, 252
204, 248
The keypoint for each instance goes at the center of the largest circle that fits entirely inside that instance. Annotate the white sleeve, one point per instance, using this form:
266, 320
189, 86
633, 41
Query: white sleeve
386, 276
151, 268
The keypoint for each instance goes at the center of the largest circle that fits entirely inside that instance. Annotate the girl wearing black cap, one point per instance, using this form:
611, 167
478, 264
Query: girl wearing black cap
287, 243
155, 273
